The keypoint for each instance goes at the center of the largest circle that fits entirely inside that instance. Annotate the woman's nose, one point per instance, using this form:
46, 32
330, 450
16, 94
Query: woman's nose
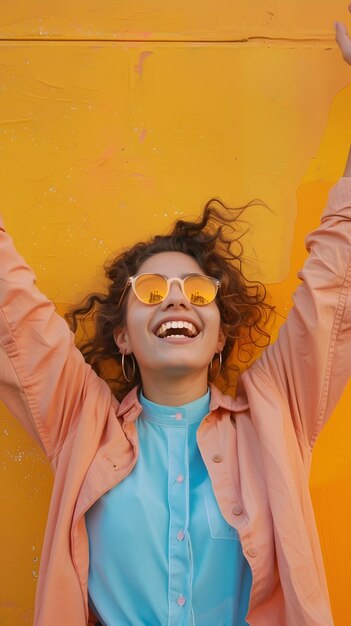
175, 296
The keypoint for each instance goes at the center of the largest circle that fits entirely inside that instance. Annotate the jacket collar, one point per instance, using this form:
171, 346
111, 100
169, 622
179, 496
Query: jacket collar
220, 400
130, 407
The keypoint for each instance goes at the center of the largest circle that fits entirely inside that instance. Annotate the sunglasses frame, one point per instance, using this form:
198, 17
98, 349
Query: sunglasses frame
132, 280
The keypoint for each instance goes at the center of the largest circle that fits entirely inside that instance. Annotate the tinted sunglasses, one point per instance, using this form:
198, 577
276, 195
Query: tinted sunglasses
154, 288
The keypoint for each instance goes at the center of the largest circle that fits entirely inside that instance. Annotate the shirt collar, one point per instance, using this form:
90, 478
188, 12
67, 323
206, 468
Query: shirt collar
130, 407
181, 415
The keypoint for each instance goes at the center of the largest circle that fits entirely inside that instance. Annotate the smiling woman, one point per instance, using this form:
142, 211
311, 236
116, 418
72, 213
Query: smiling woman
208, 249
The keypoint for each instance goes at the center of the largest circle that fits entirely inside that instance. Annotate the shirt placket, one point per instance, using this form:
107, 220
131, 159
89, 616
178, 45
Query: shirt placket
180, 563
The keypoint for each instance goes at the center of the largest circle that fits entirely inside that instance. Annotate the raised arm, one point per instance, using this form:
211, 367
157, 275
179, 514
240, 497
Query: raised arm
310, 363
43, 377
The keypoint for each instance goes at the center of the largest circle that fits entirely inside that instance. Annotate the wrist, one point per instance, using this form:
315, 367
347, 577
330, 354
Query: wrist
347, 171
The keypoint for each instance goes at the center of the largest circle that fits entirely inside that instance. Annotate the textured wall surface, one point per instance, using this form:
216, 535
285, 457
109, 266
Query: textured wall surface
117, 118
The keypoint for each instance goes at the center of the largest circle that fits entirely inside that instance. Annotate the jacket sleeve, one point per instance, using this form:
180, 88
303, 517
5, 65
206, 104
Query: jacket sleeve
43, 376
310, 362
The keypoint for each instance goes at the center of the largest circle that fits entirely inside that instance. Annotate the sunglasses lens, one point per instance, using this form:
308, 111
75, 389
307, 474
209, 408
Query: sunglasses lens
150, 288
200, 290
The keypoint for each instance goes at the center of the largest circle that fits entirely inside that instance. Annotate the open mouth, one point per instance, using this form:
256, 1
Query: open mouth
176, 329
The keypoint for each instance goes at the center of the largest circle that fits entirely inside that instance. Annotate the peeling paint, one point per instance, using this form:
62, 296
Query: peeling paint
16, 121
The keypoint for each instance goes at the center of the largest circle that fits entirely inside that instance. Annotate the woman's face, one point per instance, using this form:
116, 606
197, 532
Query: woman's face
170, 357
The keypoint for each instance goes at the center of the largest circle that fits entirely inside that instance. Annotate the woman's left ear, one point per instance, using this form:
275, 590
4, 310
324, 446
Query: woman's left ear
120, 336
221, 340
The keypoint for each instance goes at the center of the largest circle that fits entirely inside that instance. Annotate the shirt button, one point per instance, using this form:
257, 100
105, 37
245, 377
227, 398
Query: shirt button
180, 478
252, 552
178, 417
181, 600
217, 458
180, 535
237, 510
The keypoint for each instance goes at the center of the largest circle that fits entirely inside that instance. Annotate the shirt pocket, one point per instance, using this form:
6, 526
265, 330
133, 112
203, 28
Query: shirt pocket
219, 527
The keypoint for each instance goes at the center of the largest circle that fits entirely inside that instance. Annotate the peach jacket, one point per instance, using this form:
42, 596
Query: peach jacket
257, 447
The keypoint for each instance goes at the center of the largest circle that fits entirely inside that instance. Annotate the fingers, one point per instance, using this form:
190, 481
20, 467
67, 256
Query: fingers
343, 40
341, 35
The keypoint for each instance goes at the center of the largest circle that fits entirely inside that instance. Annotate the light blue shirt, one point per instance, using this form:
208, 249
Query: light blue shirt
161, 553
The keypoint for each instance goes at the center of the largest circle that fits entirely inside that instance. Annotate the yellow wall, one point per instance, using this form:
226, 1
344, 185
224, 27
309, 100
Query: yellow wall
117, 118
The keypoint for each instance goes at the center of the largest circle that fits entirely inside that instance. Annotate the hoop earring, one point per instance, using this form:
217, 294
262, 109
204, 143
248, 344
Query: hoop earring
220, 366
129, 380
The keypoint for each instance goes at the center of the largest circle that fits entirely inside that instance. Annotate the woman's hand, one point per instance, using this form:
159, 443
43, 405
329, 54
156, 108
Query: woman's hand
343, 40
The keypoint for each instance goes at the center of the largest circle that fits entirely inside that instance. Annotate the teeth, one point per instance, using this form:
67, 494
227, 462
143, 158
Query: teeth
176, 324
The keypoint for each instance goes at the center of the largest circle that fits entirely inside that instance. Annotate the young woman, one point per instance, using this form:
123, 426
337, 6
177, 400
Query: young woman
179, 505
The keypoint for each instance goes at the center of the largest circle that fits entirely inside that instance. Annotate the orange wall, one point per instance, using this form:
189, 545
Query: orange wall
117, 118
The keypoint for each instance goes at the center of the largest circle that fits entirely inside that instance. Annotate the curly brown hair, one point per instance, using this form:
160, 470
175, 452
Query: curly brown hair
214, 241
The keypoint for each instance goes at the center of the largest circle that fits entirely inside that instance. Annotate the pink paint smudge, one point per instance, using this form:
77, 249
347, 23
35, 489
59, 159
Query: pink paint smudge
109, 152
142, 134
142, 56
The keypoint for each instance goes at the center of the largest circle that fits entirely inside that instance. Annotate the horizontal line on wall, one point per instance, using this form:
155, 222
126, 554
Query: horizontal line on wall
245, 40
